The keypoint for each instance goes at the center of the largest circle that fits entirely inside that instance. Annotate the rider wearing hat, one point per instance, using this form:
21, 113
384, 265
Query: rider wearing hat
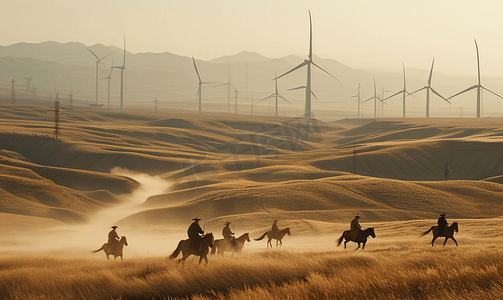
228, 234
113, 237
442, 224
355, 228
274, 228
194, 232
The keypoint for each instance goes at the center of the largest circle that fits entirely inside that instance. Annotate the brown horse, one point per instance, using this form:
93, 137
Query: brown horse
448, 233
227, 246
117, 249
184, 247
278, 237
361, 237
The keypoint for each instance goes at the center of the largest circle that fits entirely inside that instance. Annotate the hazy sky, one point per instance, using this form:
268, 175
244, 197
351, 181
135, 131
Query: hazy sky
359, 33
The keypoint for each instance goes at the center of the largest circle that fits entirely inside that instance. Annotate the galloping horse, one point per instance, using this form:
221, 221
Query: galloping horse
361, 237
117, 249
227, 246
448, 233
278, 237
184, 247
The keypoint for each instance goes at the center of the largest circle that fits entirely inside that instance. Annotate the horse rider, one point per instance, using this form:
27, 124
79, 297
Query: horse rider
355, 228
113, 238
195, 232
228, 234
442, 224
274, 228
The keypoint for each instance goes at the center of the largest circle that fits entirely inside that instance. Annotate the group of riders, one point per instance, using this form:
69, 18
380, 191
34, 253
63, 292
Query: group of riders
195, 232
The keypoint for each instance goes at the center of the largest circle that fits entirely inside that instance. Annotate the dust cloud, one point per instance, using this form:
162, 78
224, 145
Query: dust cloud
80, 240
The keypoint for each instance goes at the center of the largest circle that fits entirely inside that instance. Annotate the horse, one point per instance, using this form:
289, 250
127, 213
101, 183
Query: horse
184, 246
226, 246
278, 237
361, 237
448, 233
117, 249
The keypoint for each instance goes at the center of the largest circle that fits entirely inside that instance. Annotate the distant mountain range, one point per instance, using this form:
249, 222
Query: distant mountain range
70, 68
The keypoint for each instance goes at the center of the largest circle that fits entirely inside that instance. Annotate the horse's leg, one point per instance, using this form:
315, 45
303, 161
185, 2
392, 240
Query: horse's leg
269, 242
455, 241
345, 242
433, 240
358, 246
363, 247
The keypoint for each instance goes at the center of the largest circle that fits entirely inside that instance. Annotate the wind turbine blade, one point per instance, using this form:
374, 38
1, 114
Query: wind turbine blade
198, 92
270, 96
403, 77
93, 54
373, 97
478, 61
284, 98
222, 84
326, 72
297, 88
491, 92
124, 64
431, 72
393, 95
105, 56
468, 89
195, 67
297, 67
310, 37
314, 95
418, 90
436, 93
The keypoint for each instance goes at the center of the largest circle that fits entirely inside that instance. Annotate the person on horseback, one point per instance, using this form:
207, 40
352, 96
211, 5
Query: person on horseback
194, 232
355, 228
228, 234
442, 224
275, 229
113, 238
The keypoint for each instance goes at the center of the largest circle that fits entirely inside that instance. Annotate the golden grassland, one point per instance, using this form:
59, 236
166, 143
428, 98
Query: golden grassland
386, 270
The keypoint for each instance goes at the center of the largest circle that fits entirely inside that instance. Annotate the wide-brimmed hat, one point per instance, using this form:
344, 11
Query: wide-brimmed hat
442, 215
115, 226
196, 219
227, 223
357, 217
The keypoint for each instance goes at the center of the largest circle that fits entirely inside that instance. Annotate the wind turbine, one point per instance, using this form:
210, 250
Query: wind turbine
308, 62
404, 91
98, 60
428, 88
229, 85
109, 77
358, 99
200, 84
375, 97
382, 102
122, 68
277, 95
477, 86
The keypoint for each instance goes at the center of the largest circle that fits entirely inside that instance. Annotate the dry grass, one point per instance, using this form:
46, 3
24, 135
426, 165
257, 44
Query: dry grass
417, 272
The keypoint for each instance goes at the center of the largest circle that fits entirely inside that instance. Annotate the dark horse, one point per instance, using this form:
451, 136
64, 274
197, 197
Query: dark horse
361, 237
227, 246
448, 233
184, 247
117, 249
279, 236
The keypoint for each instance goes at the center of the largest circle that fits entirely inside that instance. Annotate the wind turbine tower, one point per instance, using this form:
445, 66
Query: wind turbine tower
109, 78
477, 86
308, 62
375, 97
122, 68
98, 60
277, 95
358, 99
403, 92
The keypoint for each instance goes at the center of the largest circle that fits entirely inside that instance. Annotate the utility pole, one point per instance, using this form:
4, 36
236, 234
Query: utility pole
56, 135
12, 94
447, 171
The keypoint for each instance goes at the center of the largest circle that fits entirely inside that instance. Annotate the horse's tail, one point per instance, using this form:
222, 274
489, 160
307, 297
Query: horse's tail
428, 231
340, 240
260, 238
102, 247
177, 251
